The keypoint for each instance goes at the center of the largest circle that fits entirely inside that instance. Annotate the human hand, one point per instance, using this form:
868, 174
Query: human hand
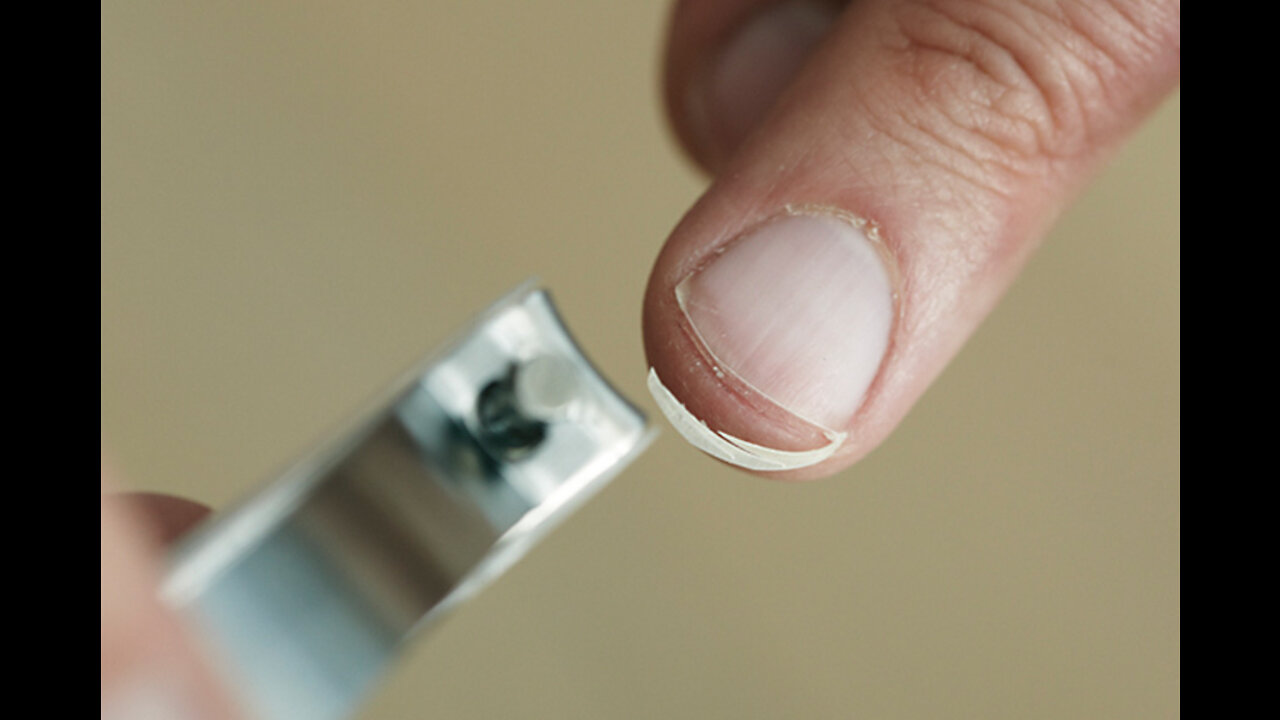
882, 172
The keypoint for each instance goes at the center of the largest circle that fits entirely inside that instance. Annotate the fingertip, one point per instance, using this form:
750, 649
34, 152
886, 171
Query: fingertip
166, 517
947, 136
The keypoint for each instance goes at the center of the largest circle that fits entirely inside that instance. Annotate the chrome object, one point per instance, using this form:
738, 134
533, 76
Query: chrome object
306, 590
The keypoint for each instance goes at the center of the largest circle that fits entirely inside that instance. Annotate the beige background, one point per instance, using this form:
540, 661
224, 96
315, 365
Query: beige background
301, 198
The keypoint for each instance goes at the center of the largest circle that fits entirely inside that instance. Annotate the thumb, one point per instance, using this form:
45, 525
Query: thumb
872, 214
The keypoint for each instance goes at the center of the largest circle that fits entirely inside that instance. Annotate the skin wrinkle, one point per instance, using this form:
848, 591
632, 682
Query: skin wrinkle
1010, 56
940, 144
978, 241
933, 148
1081, 82
1122, 41
935, 50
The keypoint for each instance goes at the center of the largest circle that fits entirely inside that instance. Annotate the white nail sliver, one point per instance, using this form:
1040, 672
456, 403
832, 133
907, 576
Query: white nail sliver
732, 449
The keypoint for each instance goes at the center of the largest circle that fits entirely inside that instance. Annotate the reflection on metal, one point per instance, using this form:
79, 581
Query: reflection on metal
306, 590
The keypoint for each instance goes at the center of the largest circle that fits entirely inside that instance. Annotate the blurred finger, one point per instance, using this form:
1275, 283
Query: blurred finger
166, 517
151, 668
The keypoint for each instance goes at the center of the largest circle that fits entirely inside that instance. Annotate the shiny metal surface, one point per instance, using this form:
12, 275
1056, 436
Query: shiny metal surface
306, 589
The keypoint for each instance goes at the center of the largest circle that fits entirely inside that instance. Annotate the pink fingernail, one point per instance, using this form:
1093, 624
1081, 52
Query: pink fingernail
800, 309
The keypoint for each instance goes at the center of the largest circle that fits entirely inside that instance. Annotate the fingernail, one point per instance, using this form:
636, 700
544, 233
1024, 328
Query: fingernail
753, 68
799, 309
